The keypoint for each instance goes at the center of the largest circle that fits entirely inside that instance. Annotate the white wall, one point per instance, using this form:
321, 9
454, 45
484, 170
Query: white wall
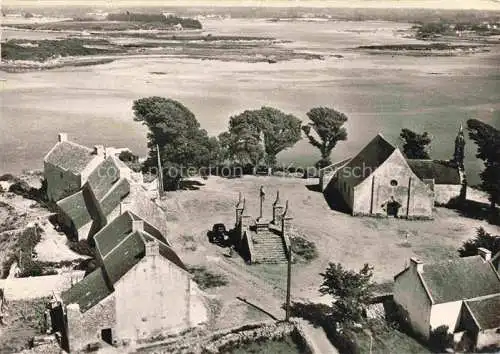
153, 297
446, 192
410, 294
447, 314
394, 168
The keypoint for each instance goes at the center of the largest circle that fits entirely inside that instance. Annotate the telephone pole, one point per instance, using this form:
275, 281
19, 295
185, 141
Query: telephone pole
160, 173
288, 283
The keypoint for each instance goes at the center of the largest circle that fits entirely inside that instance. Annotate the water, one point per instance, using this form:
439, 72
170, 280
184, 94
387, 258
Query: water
381, 93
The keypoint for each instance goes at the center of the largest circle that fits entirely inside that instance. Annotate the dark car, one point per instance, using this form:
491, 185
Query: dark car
219, 233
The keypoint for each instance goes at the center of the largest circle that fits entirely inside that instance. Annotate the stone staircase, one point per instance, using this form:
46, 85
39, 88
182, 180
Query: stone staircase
268, 247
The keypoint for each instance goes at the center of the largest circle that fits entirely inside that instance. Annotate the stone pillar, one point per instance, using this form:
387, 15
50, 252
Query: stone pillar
286, 222
74, 330
277, 210
240, 206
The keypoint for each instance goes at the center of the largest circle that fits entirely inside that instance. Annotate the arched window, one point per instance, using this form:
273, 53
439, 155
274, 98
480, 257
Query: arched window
394, 183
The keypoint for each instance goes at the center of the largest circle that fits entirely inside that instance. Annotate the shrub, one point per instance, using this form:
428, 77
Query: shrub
82, 247
482, 239
207, 279
440, 339
7, 177
304, 248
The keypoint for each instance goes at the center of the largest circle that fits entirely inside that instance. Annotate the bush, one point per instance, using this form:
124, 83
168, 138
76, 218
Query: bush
304, 248
206, 279
482, 239
82, 247
7, 177
440, 339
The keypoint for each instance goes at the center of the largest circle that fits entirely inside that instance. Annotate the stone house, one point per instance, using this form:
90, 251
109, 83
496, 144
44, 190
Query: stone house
141, 289
462, 294
67, 166
381, 181
108, 187
262, 240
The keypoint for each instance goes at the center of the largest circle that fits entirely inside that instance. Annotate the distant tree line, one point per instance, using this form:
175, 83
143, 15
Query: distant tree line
170, 20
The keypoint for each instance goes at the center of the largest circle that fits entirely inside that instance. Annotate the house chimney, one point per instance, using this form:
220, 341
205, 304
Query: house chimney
485, 253
286, 221
62, 137
416, 264
99, 150
125, 206
277, 210
125, 172
152, 248
137, 225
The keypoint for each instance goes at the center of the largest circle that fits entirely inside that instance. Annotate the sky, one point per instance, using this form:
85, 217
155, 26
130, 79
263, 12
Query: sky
438, 4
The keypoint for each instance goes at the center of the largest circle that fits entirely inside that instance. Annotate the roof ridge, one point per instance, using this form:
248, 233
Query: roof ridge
118, 244
472, 314
76, 144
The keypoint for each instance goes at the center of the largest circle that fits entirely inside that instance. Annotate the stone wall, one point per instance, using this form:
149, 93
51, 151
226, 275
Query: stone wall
84, 329
444, 193
488, 339
409, 293
393, 180
152, 298
60, 183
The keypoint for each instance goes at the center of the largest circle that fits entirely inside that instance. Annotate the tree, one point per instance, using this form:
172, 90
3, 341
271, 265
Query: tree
487, 140
327, 123
482, 239
243, 139
260, 134
351, 291
281, 131
183, 146
416, 145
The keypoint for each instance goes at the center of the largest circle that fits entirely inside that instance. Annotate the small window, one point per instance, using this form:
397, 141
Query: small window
394, 183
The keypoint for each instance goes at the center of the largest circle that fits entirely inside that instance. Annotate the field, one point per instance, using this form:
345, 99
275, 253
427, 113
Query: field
338, 237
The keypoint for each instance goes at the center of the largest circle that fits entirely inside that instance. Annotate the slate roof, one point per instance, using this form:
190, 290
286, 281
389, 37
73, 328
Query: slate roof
120, 250
124, 256
75, 208
88, 292
70, 156
103, 177
115, 195
371, 157
460, 279
442, 172
486, 311
113, 233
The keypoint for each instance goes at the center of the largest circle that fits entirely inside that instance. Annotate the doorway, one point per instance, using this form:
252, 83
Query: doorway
393, 208
107, 335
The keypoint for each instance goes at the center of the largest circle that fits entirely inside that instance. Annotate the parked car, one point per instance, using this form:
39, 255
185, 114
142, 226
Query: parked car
219, 233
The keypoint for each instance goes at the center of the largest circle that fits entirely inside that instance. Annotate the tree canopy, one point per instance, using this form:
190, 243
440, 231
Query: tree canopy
416, 146
351, 291
327, 123
182, 144
487, 139
482, 239
255, 135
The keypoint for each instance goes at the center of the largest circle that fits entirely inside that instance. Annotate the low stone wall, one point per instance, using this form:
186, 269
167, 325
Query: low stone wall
223, 340
37, 287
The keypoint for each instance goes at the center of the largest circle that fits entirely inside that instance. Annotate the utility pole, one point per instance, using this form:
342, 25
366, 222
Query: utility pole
262, 196
288, 283
160, 173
